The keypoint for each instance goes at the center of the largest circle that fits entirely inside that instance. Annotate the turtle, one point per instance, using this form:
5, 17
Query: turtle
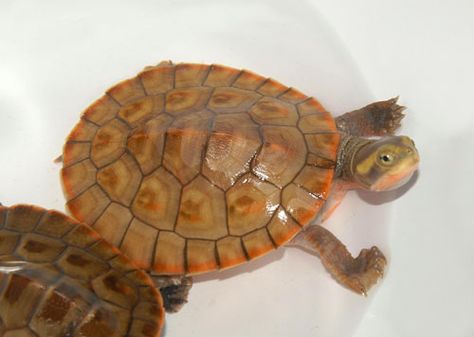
59, 278
191, 168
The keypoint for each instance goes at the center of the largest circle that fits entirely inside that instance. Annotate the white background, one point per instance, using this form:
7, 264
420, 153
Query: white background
56, 57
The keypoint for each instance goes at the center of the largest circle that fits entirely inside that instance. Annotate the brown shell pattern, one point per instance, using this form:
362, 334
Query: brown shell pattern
190, 168
60, 278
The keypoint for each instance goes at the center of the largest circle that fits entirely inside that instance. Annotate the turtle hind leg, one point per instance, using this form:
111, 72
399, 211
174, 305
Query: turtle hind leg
174, 290
376, 119
358, 274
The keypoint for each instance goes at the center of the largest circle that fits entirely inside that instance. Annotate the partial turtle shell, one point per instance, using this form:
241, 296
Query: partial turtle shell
190, 168
59, 278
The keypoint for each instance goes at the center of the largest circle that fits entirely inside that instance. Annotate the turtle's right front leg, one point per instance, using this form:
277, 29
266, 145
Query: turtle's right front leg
358, 274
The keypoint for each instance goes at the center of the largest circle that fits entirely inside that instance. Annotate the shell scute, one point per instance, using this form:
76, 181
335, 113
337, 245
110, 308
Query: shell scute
146, 143
56, 313
185, 100
84, 131
113, 223
81, 237
190, 74
80, 265
221, 76
324, 145
282, 228
273, 111
103, 250
142, 109
116, 289
315, 180
120, 179
100, 323
317, 123
89, 205
142, 254
250, 204
232, 100
272, 88
23, 218
282, 155
38, 248
158, 80
127, 91
18, 300
146, 311
201, 256
230, 251
309, 107
157, 200
109, 143
78, 177
102, 110
185, 142
200, 214
142, 328
8, 242
170, 254
54, 224
233, 143
293, 96
300, 205
249, 80
257, 243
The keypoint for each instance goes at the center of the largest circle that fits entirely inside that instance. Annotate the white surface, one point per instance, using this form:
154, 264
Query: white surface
56, 58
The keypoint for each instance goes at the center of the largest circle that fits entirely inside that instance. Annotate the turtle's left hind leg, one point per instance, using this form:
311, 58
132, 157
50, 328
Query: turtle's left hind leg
376, 119
174, 290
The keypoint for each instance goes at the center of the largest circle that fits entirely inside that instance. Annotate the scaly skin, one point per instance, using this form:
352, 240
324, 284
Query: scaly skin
376, 119
358, 274
174, 290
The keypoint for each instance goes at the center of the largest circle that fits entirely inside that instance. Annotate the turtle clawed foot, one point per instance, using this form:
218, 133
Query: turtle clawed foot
368, 268
174, 291
387, 116
380, 118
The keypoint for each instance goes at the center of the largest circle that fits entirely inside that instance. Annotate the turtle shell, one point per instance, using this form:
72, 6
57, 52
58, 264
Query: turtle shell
59, 278
191, 168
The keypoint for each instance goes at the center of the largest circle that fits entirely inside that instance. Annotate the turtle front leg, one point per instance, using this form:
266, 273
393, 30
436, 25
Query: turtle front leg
358, 274
174, 290
376, 119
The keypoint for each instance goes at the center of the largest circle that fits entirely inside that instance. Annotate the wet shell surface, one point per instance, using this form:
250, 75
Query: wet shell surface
59, 278
191, 168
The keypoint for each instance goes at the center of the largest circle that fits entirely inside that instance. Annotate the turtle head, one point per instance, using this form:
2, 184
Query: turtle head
385, 164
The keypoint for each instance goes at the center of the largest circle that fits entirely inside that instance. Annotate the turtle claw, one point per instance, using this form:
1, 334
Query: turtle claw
376, 119
368, 269
174, 291
395, 116
387, 116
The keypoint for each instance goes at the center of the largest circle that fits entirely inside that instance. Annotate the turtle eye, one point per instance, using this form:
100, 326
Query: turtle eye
386, 158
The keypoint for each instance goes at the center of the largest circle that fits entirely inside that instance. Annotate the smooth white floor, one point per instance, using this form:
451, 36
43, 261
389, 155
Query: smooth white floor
56, 57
